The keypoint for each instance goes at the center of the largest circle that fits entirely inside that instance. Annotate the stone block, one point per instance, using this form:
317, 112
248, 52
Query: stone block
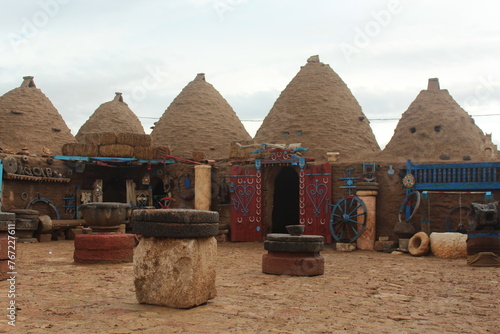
449, 245
345, 247
221, 238
177, 273
72, 233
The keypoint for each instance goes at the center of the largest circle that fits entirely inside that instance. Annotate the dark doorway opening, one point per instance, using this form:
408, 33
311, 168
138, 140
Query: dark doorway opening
158, 191
285, 200
115, 190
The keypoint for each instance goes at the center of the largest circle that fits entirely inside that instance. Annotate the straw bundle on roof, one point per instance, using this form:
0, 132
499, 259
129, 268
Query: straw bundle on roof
116, 150
133, 139
145, 153
98, 138
242, 149
198, 155
160, 152
80, 149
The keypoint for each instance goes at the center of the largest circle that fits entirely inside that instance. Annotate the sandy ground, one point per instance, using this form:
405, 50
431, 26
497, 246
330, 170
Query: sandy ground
360, 292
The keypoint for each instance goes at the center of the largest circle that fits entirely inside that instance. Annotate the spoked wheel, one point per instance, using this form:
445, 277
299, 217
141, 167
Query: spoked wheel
348, 220
457, 219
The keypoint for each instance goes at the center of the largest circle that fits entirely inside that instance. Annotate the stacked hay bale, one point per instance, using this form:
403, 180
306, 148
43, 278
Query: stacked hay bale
119, 145
110, 144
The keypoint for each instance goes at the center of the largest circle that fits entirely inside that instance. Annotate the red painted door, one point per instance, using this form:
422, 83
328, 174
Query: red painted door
315, 186
246, 204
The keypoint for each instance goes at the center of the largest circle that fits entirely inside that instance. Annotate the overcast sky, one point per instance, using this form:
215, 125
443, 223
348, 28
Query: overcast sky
83, 51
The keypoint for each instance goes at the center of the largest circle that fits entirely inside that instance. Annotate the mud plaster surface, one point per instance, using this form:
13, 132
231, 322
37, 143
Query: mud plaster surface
199, 119
360, 292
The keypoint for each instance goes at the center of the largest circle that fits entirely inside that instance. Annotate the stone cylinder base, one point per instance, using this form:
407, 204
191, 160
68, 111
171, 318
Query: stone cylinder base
177, 273
449, 245
293, 264
104, 247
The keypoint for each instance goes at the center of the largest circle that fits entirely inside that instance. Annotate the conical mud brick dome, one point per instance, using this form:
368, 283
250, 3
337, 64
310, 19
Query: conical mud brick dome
199, 119
318, 110
28, 119
435, 127
113, 116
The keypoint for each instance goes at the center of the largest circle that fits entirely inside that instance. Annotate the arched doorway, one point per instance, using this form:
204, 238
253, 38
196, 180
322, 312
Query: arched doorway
285, 200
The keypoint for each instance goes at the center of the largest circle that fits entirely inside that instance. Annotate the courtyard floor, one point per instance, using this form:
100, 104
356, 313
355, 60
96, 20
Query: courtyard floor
360, 292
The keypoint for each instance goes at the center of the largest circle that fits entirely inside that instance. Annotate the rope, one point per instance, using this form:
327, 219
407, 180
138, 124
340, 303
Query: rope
460, 210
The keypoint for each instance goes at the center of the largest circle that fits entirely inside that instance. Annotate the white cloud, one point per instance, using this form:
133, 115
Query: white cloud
250, 52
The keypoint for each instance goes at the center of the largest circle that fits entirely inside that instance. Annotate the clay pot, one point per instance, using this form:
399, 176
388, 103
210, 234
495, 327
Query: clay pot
105, 216
295, 229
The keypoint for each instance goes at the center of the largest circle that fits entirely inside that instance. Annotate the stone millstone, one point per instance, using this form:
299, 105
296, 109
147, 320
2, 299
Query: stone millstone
98, 248
170, 230
294, 238
176, 223
178, 273
293, 264
293, 246
186, 216
4, 225
9, 216
26, 224
449, 244
20, 212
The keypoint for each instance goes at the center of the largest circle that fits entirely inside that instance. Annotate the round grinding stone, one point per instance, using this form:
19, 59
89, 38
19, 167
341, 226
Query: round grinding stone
178, 216
173, 230
293, 246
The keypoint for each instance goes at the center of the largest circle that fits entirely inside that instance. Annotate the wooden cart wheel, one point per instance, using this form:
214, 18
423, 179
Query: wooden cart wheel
348, 219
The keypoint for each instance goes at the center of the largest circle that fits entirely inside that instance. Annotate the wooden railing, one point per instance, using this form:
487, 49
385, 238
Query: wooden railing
457, 176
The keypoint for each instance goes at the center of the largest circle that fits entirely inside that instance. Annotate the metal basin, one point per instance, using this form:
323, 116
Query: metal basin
105, 216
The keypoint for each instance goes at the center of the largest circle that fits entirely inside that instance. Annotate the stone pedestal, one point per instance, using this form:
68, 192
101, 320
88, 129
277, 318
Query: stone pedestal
175, 261
177, 273
104, 247
294, 255
202, 187
366, 241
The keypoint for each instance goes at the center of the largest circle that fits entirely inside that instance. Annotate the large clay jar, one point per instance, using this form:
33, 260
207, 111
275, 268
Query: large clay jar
105, 216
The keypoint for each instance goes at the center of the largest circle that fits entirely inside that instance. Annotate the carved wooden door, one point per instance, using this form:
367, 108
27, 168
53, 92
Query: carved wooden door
246, 204
315, 200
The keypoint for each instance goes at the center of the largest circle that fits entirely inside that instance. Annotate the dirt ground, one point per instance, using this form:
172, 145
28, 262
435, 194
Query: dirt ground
360, 292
